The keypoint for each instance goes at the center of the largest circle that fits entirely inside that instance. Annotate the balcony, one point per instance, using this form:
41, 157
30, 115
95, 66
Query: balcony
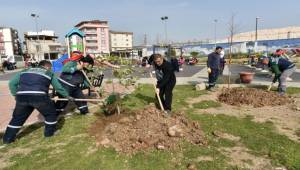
92, 44
90, 32
91, 38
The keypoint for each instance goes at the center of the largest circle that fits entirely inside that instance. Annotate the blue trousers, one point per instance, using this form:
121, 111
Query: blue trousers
25, 104
76, 93
213, 77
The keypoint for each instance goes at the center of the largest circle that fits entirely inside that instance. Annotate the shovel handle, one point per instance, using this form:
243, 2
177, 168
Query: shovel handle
86, 77
157, 94
270, 86
80, 100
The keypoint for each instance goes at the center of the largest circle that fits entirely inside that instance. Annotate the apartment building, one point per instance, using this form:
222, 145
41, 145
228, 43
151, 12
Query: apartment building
9, 42
121, 41
42, 45
96, 36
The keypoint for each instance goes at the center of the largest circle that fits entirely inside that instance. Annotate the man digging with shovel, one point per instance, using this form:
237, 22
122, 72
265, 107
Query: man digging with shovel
166, 81
72, 77
30, 88
282, 68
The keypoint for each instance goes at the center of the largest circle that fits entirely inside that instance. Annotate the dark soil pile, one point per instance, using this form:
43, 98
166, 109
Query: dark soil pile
146, 129
252, 96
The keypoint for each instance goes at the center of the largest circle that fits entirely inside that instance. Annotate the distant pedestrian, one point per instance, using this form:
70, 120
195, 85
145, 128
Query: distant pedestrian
213, 67
175, 63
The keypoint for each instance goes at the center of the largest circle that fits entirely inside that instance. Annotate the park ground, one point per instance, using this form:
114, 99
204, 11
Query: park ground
237, 138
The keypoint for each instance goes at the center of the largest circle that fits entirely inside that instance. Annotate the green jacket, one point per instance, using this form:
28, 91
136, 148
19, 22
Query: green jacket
276, 71
70, 68
14, 83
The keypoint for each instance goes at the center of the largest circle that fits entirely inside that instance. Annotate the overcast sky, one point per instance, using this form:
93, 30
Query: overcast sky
188, 19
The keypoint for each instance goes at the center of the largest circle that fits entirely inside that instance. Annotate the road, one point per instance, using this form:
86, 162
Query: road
139, 72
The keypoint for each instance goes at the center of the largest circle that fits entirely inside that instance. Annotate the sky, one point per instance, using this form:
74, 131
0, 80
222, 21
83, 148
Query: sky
189, 20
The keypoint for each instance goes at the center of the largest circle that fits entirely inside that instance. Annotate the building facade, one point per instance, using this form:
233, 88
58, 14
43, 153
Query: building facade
9, 42
266, 34
121, 41
42, 45
96, 36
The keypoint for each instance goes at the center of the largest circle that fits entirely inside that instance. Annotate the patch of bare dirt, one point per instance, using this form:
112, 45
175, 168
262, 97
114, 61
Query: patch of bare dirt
145, 129
241, 158
286, 118
253, 97
226, 136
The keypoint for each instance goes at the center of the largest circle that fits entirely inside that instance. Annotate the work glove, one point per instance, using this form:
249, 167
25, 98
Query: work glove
71, 99
208, 70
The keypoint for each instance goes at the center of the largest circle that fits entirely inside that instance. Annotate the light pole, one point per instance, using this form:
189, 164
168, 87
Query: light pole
164, 19
35, 17
216, 21
256, 32
256, 25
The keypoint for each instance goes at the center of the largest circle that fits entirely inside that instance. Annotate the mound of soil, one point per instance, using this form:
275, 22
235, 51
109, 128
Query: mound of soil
146, 129
252, 96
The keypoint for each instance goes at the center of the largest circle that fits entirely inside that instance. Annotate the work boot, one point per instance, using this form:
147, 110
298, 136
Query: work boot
212, 89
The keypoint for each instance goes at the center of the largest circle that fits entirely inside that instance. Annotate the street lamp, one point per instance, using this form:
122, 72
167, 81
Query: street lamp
35, 17
256, 25
215, 32
164, 19
256, 32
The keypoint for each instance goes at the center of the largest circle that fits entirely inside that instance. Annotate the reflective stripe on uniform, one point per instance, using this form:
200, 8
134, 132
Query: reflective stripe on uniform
31, 92
15, 127
48, 77
82, 107
60, 110
67, 83
50, 123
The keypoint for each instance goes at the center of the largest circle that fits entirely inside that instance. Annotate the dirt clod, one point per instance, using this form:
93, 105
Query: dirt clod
191, 166
252, 96
145, 129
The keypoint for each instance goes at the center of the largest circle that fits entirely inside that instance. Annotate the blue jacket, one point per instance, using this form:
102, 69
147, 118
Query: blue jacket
213, 60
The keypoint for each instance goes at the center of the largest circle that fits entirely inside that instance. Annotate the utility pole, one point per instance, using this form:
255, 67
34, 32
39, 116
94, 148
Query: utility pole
164, 20
256, 26
216, 21
35, 16
145, 40
256, 32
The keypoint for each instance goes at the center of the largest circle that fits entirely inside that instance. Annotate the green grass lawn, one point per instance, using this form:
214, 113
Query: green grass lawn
74, 148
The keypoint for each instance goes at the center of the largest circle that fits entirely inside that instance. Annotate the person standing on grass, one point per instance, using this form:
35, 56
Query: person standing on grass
30, 88
282, 68
213, 67
166, 80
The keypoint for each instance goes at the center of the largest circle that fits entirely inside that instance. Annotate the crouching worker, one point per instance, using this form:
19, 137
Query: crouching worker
72, 79
166, 80
30, 88
283, 69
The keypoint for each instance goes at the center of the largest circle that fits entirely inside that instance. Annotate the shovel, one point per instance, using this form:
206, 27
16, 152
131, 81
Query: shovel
79, 100
157, 94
